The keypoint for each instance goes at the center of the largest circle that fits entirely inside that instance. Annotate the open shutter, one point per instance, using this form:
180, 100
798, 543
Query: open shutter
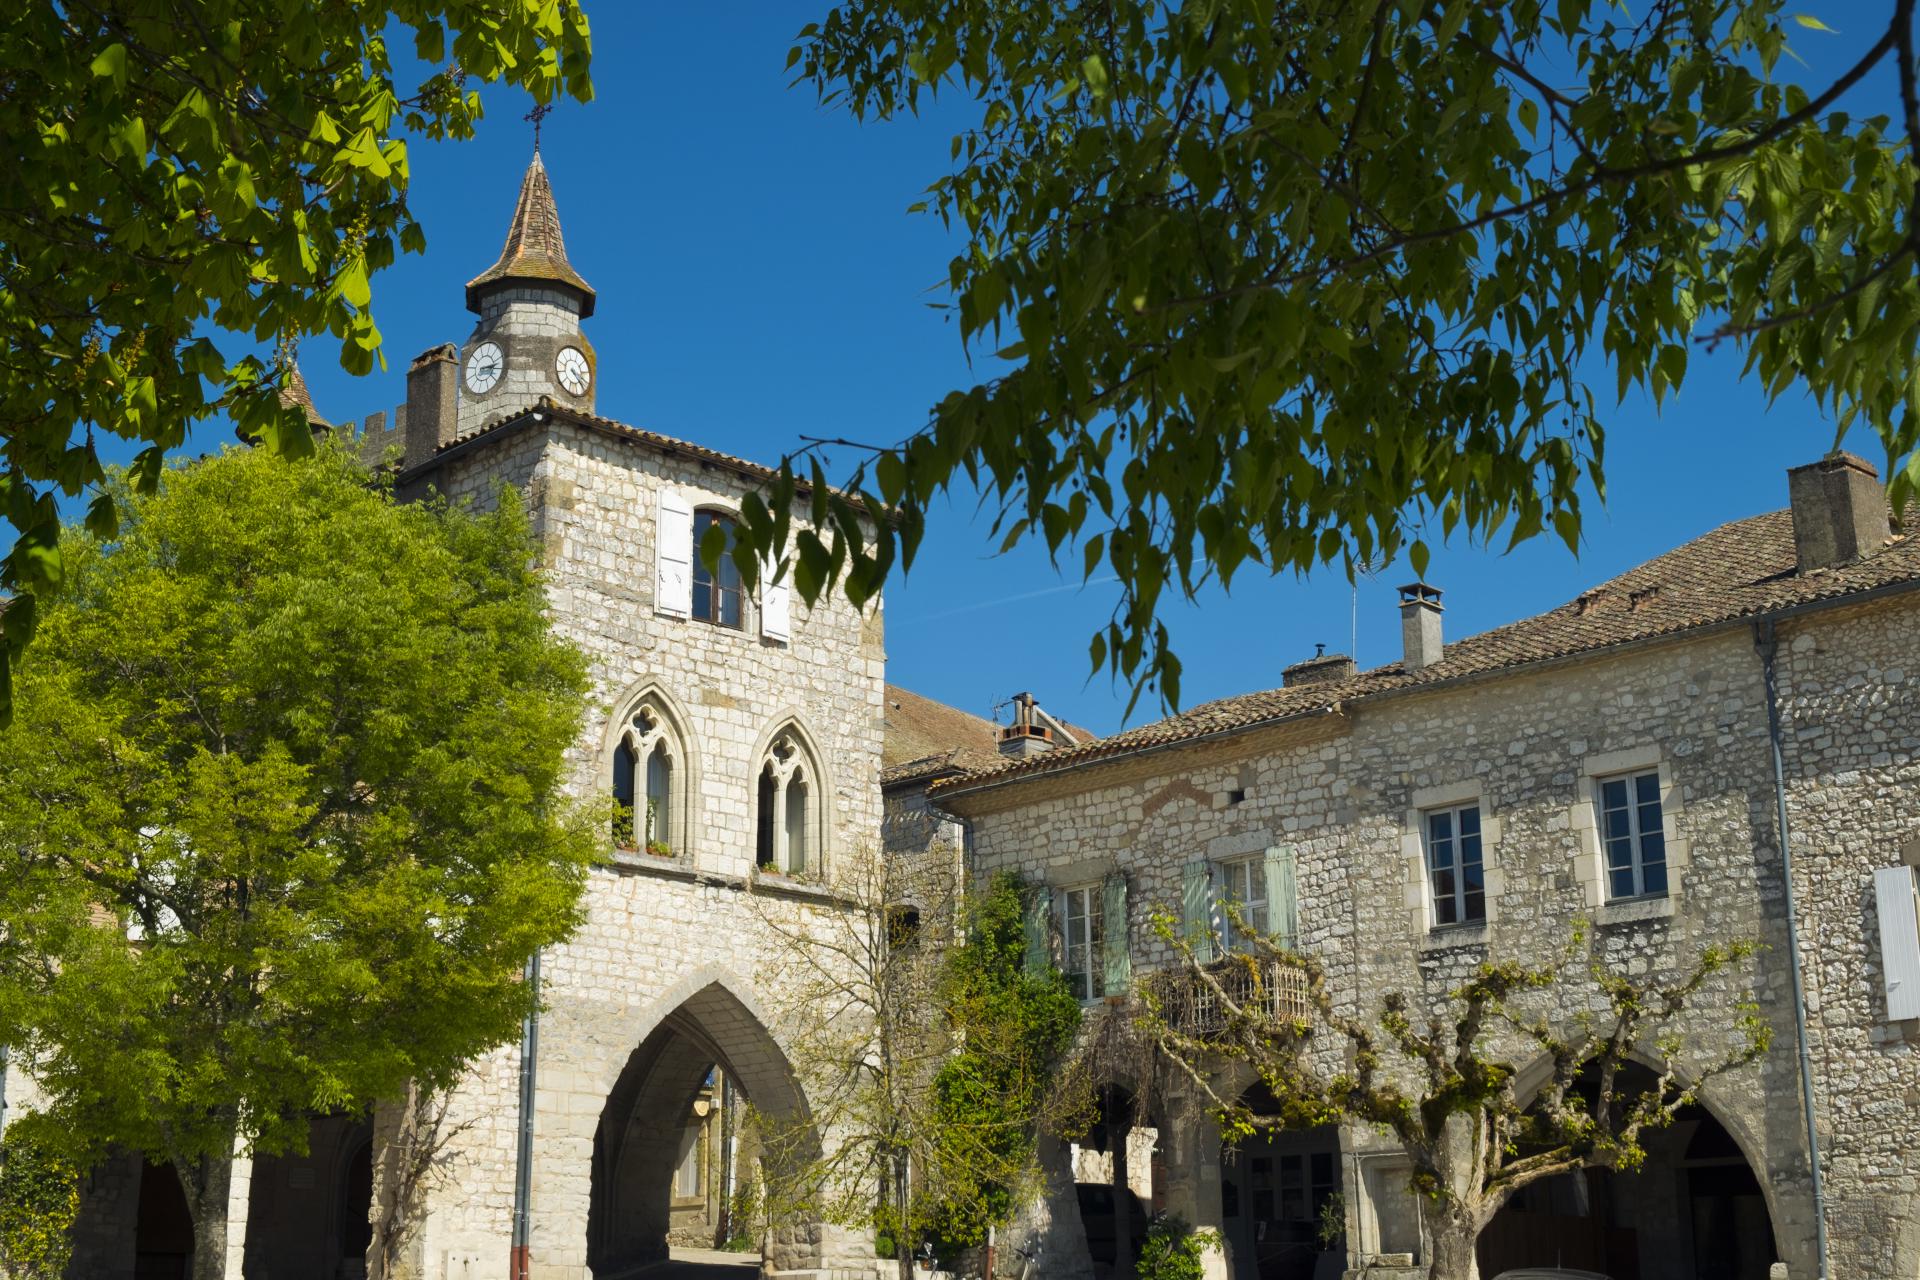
776, 605
1283, 903
1196, 907
1113, 912
1039, 926
1893, 891
673, 555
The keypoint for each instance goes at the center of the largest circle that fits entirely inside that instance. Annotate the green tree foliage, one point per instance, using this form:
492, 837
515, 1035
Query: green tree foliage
1307, 283
177, 169
1173, 1251
39, 1199
1438, 1072
1012, 1029
280, 803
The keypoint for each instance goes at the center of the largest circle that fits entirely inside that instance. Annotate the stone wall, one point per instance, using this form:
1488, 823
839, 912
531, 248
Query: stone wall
681, 942
1345, 793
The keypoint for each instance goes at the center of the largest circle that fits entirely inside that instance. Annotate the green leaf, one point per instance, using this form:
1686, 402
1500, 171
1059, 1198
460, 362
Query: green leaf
111, 64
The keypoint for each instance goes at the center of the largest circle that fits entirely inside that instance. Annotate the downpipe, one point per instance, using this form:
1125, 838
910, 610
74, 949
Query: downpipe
1766, 643
521, 1259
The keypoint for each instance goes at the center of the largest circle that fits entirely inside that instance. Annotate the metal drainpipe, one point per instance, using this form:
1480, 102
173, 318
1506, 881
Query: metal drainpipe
1766, 643
522, 1256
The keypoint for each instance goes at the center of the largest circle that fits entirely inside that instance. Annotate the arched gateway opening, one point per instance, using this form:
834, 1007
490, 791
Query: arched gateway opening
643, 1166
1695, 1210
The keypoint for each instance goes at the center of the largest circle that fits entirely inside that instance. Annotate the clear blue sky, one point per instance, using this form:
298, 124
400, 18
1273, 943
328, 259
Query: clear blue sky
759, 280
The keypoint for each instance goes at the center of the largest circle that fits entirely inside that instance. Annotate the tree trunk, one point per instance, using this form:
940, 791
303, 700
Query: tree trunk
1452, 1238
208, 1197
902, 1245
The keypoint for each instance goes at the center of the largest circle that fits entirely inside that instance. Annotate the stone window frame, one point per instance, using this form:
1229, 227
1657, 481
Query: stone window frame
1589, 859
805, 759
1413, 853
671, 718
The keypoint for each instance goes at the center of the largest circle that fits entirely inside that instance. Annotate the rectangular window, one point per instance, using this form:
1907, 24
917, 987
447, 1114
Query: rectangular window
689, 1181
1080, 927
1244, 884
1454, 866
716, 594
1632, 835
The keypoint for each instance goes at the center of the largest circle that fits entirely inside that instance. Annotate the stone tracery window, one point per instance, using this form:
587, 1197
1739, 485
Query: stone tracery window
785, 816
647, 783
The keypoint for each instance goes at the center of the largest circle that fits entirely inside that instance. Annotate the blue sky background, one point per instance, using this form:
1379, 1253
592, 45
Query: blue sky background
759, 280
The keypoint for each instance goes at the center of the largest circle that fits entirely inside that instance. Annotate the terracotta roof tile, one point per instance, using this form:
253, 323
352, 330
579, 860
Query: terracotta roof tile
1738, 571
920, 729
535, 250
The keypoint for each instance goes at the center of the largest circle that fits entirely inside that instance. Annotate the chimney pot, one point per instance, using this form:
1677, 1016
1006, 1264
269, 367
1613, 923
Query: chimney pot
433, 404
1023, 737
1420, 626
1839, 511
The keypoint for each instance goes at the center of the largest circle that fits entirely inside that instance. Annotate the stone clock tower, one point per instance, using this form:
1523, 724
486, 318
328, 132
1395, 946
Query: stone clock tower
530, 303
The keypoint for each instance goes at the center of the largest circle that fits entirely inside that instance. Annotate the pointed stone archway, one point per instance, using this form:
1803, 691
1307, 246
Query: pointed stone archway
637, 1142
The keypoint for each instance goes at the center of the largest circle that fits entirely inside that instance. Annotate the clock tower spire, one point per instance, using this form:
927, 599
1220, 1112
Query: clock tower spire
527, 343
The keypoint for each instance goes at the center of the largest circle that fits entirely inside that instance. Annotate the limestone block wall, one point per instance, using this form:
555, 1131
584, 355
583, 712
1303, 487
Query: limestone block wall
1346, 792
682, 940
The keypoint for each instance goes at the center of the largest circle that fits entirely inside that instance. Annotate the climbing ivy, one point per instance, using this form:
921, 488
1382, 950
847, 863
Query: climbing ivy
1013, 1027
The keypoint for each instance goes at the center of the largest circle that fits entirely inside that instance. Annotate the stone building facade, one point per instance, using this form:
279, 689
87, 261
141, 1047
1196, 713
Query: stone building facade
1631, 727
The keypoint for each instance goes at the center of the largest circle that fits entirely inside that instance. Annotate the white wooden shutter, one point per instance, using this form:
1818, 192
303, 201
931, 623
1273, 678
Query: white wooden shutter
673, 555
776, 605
1893, 891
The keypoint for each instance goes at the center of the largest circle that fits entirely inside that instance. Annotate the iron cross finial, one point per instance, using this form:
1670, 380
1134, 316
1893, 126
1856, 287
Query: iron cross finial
541, 110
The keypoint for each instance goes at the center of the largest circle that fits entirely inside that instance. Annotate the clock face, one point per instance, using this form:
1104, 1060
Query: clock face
575, 373
485, 367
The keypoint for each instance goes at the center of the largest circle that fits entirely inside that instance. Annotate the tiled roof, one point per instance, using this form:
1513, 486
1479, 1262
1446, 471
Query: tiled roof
924, 737
503, 426
1739, 571
294, 394
534, 250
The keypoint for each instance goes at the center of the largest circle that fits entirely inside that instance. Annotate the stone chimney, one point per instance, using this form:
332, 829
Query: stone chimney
1025, 736
1321, 668
1839, 511
1420, 626
433, 403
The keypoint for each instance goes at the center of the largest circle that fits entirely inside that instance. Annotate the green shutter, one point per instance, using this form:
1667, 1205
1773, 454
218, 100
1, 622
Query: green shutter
1113, 911
1196, 907
1039, 921
1283, 903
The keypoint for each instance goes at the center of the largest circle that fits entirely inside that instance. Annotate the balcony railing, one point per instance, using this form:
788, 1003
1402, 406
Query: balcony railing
1264, 989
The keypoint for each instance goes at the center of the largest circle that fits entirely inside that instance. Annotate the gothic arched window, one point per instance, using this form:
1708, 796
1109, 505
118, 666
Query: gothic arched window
648, 784
786, 815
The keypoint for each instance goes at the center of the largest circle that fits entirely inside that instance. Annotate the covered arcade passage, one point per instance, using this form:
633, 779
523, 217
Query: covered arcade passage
637, 1147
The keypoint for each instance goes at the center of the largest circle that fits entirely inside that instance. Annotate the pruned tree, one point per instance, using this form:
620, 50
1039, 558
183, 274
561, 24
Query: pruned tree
1282, 285
1439, 1074
282, 813
924, 1050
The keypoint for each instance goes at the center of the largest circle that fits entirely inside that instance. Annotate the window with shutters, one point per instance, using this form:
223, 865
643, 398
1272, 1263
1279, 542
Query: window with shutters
1083, 941
1632, 834
716, 591
648, 782
1456, 872
1242, 894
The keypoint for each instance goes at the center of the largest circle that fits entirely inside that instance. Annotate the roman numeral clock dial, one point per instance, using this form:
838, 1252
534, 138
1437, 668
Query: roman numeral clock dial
575, 373
484, 368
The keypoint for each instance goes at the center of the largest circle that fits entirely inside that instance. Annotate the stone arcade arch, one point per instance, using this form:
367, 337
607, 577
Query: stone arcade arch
1702, 1207
636, 1145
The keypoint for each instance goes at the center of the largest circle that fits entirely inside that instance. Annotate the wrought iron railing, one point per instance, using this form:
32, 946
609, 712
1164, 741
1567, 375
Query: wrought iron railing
1262, 988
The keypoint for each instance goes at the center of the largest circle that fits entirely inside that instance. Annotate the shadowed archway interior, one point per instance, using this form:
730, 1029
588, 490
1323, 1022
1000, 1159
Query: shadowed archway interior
637, 1144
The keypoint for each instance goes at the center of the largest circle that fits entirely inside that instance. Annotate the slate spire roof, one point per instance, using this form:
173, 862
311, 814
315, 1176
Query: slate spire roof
535, 252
